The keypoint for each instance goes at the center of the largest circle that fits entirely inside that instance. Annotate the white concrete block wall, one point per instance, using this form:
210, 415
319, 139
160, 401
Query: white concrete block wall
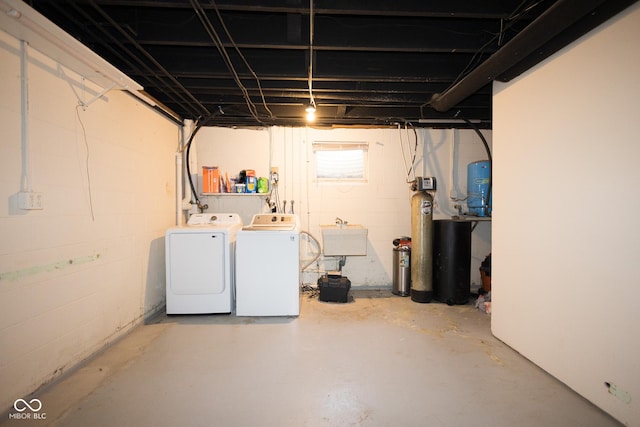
382, 204
70, 283
565, 258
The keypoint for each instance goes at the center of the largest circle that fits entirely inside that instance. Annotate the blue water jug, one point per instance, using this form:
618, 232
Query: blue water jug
478, 177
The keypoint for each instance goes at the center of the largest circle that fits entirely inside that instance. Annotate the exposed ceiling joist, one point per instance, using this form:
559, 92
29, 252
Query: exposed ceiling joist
374, 63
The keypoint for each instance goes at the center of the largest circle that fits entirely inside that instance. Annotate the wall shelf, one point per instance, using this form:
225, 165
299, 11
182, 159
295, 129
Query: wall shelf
473, 219
234, 194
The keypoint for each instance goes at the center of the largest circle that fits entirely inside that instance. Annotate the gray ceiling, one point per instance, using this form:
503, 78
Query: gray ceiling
372, 63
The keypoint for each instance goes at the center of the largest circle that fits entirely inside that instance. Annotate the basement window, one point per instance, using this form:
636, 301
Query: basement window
341, 161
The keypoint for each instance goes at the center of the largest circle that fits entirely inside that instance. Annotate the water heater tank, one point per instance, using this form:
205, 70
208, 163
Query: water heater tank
478, 177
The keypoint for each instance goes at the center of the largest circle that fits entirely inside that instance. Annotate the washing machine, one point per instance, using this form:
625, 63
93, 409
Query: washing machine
200, 261
268, 266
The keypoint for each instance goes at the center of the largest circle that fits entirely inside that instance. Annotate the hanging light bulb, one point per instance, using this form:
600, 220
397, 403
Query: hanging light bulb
311, 116
311, 111
311, 108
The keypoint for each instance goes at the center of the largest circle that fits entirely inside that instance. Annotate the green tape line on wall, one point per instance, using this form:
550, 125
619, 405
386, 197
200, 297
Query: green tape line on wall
60, 265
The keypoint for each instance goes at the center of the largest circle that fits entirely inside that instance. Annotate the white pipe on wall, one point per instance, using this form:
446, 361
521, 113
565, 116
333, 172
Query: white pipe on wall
454, 155
179, 215
185, 133
452, 149
187, 201
25, 185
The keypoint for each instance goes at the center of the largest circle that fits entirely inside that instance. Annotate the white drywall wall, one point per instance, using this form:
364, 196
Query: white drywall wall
565, 234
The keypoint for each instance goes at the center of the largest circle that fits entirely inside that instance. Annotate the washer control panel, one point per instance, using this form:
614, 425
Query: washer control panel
273, 222
274, 219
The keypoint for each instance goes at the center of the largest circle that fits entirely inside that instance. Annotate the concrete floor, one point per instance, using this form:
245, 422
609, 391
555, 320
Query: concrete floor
380, 360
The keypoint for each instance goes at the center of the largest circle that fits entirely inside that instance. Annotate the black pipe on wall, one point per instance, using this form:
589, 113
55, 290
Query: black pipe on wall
549, 24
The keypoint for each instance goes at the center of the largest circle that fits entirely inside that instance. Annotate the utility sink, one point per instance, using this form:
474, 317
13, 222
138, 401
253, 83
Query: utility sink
344, 239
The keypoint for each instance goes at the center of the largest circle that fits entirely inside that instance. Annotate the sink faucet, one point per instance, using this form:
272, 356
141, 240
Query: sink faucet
340, 221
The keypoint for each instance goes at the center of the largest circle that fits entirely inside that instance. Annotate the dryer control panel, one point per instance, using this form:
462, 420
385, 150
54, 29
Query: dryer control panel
214, 219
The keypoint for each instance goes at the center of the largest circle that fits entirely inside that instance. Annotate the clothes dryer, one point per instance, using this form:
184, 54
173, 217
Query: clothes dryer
200, 260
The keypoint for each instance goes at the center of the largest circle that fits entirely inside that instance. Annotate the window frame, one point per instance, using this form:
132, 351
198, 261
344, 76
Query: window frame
338, 146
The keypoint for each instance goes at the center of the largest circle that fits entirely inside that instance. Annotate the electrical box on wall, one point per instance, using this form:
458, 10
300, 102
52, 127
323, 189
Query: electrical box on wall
274, 175
30, 200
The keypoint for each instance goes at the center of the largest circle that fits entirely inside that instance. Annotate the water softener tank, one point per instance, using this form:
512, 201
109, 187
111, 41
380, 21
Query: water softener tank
478, 178
421, 247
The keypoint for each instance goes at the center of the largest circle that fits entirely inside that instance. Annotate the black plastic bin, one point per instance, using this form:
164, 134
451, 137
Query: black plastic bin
334, 288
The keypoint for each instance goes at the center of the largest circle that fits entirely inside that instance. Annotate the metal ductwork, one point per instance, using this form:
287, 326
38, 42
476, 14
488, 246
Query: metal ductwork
561, 24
